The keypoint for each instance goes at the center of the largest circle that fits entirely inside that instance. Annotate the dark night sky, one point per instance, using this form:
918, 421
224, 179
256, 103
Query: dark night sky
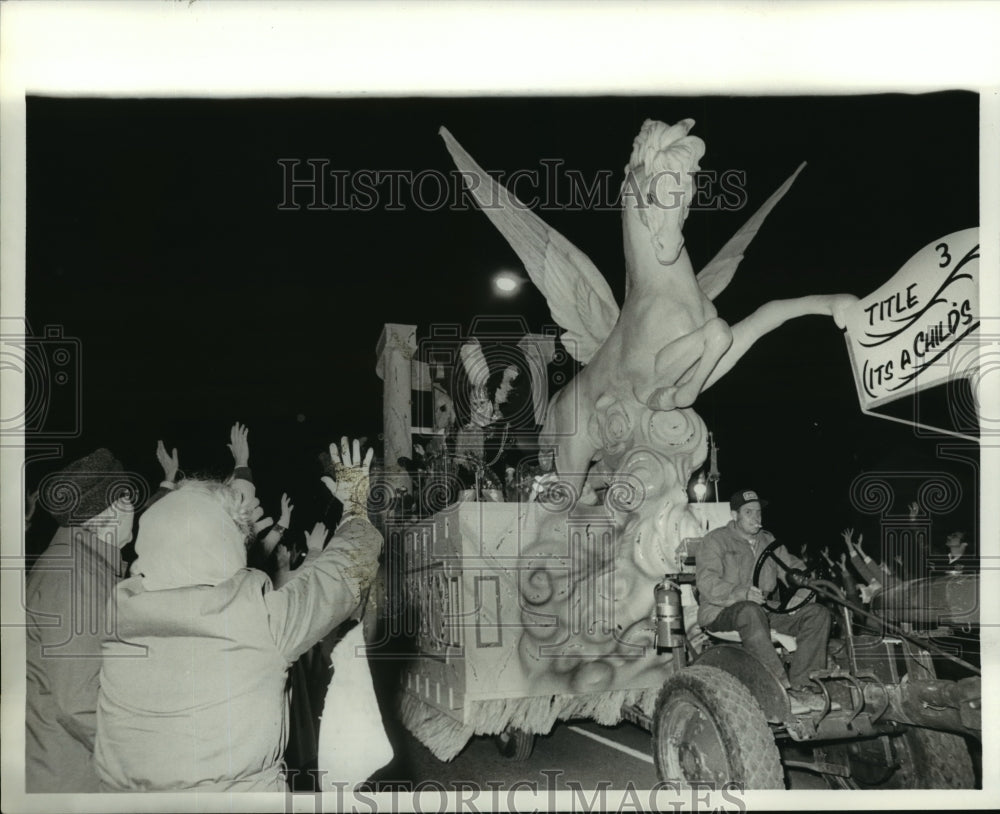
154, 236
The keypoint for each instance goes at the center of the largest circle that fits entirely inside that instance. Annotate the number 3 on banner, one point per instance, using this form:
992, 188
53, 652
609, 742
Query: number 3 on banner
945, 257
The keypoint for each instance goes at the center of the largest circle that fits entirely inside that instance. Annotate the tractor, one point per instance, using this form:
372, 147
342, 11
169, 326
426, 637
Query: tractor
889, 721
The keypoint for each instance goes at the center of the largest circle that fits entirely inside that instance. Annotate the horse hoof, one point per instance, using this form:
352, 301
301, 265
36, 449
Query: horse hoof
663, 399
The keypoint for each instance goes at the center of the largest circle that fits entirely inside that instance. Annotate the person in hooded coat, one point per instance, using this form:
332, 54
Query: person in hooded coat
205, 708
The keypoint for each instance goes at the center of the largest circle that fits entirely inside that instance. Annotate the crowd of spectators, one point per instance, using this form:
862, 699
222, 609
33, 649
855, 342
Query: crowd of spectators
173, 669
866, 575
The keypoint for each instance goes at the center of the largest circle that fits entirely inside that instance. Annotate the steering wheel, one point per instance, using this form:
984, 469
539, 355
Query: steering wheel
781, 607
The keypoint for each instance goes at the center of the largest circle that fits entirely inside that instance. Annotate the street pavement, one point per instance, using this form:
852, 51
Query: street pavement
576, 755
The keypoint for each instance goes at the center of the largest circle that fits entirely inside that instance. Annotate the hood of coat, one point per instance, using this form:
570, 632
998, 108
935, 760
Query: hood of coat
187, 538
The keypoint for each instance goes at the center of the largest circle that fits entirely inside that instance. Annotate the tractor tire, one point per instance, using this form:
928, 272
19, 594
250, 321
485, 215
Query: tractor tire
707, 727
919, 759
515, 744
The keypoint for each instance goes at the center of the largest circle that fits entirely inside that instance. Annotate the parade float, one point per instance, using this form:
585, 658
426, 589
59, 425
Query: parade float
563, 588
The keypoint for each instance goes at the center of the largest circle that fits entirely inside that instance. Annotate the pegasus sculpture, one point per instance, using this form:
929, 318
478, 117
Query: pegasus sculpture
625, 419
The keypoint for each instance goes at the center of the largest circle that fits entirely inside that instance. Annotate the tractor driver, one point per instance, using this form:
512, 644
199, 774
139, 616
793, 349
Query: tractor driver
728, 599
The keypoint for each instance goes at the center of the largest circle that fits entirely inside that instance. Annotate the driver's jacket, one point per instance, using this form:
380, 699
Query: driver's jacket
724, 572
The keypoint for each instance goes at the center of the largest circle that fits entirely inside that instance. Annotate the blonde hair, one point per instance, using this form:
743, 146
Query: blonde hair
229, 497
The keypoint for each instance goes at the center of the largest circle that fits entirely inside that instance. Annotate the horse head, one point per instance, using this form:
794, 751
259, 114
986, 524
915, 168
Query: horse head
658, 184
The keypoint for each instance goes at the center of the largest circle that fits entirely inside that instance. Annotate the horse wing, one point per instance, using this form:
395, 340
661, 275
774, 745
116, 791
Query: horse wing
578, 296
714, 278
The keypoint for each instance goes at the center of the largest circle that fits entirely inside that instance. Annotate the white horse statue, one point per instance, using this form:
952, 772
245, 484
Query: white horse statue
626, 418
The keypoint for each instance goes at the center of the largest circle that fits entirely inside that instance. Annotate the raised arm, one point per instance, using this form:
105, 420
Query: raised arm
328, 587
279, 529
171, 466
239, 446
863, 564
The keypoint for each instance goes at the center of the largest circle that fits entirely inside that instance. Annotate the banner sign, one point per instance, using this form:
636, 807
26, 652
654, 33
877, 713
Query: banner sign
896, 334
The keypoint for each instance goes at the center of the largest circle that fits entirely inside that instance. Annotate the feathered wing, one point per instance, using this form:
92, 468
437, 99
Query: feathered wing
578, 296
714, 278
474, 362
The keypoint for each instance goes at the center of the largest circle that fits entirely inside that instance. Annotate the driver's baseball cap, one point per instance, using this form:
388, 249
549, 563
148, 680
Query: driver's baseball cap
744, 496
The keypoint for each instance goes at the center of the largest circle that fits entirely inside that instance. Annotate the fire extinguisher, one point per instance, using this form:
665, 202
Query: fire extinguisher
669, 616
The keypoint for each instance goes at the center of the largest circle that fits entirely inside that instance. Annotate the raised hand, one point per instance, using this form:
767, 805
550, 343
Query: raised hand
286, 511
170, 463
848, 535
283, 556
256, 512
869, 590
914, 509
316, 539
826, 555
352, 480
239, 445
842, 562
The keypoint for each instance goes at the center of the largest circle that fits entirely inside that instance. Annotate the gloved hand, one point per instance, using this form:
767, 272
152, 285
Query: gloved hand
352, 481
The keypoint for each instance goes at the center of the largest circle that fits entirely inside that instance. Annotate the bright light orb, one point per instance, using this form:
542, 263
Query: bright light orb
700, 487
506, 283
